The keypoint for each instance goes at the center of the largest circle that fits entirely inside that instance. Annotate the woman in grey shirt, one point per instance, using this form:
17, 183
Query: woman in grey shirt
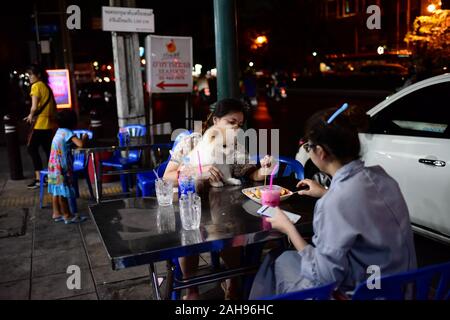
360, 221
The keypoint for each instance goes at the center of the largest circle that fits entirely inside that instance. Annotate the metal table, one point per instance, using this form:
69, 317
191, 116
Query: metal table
137, 231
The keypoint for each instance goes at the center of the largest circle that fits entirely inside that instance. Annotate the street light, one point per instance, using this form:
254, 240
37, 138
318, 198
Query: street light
260, 40
314, 54
380, 50
431, 8
251, 64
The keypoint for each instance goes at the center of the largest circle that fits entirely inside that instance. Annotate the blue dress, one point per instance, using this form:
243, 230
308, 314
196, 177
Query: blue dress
361, 221
60, 171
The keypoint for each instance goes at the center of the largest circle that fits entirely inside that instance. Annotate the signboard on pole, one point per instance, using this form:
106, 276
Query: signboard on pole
122, 19
169, 64
59, 81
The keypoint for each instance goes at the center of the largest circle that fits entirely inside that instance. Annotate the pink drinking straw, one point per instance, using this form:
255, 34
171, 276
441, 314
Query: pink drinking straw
199, 164
272, 174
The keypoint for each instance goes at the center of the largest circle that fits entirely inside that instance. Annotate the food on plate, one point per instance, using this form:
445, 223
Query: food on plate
256, 192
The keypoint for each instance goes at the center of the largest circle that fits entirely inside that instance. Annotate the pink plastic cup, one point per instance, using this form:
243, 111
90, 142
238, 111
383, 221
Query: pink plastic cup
270, 197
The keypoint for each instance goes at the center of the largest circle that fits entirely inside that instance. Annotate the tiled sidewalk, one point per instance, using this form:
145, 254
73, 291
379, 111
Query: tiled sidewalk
34, 265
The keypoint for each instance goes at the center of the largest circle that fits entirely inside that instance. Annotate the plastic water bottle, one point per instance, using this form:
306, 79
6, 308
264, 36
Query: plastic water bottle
124, 137
124, 140
186, 179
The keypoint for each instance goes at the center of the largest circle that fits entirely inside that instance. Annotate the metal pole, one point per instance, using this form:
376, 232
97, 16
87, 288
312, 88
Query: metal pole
226, 49
38, 40
398, 26
96, 181
187, 113
154, 281
67, 53
13, 148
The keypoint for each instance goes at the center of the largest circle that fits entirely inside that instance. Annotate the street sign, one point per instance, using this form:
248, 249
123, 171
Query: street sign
169, 64
122, 19
58, 80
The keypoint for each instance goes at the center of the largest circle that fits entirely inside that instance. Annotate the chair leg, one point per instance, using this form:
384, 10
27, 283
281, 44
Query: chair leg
41, 189
215, 259
88, 182
177, 274
124, 182
75, 185
138, 190
73, 205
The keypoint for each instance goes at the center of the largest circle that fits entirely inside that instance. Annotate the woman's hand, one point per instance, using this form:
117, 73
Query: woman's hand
28, 118
311, 188
267, 165
212, 173
281, 222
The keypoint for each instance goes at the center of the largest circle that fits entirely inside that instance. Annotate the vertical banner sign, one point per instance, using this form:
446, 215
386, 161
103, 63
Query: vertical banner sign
59, 81
169, 64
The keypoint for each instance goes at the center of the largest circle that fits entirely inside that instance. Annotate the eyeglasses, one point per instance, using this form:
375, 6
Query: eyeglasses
308, 146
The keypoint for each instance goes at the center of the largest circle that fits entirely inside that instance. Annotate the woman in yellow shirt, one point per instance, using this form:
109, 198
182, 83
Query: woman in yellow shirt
41, 118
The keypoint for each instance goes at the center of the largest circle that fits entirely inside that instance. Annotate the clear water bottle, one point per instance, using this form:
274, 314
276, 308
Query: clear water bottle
186, 178
124, 137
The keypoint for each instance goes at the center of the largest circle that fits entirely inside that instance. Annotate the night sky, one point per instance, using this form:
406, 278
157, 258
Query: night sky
290, 28
294, 28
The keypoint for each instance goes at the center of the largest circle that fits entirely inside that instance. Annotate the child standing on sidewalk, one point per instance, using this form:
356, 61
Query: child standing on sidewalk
60, 173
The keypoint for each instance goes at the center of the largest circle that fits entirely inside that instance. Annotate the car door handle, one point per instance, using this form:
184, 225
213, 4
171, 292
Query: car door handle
435, 163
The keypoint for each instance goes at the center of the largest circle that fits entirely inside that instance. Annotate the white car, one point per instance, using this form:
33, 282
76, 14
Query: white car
409, 136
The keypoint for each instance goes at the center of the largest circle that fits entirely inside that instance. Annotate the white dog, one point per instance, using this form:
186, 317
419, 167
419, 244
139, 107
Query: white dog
218, 149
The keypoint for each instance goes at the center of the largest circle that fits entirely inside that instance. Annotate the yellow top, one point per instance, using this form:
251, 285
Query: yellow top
46, 119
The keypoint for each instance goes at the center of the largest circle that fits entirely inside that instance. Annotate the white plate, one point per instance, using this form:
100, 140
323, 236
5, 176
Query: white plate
248, 192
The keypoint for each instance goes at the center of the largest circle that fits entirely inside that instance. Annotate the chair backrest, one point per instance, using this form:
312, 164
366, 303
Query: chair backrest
415, 284
318, 293
290, 166
79, 133
79, 158
135, 130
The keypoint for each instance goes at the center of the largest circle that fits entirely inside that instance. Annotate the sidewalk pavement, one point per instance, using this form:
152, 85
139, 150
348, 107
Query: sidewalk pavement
35, 251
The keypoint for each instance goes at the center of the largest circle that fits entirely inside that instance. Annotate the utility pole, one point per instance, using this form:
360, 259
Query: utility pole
397, 40
127, 68
226, 49
67, 53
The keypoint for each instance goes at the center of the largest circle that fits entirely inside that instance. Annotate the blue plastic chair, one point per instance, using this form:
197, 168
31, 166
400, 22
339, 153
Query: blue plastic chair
121, 163
79, 165
418, 282
145, 182
290, 166
80, 162
324, 292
